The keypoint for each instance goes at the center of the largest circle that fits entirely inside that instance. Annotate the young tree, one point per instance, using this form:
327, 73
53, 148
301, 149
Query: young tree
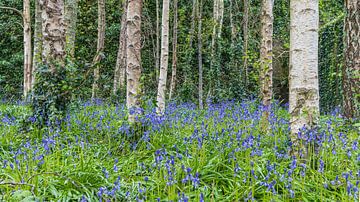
303, 78
200, 6
246, 39
37, 41
27, 48
120, 67
157, 48
174, 54
164, 57
71, 7
266, 70
351, 69
100, 47
133, 57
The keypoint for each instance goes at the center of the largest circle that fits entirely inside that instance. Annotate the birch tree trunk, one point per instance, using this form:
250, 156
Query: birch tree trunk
133, 58
120, 67
53, 33
157, 51
71, 7
351, 69
192, 28
37, 41
100, 47
164, 58
303, 78
174, 54
246, 39
218, 13
27, 48
266, 57
201, 105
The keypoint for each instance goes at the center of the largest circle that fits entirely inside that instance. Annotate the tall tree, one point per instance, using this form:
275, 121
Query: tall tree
200, 8
157, 48
164, 58
53, 32
37, 41
351, 69
133, 58
266, 57
174, 54
71, 7
246, 38
303, 78
120, 67
100, 47
218, 15
27, 48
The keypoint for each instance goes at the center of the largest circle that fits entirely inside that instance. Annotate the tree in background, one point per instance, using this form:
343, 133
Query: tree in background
174, 54
37, 41
164, 58
266, 54
100, 47
120, 66
351, 69
303, 78
133, 58
27, 49
71, 10
200, 91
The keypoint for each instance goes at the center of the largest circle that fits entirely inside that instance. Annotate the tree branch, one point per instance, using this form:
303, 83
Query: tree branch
12, 9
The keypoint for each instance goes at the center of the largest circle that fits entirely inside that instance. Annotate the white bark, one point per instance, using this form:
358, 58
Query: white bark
133, 58
174, 54
100, 47
37, 41
303, 78
266, 72
164, 58
27, 48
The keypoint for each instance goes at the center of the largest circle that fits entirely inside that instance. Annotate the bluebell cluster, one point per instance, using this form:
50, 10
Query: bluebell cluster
219, 154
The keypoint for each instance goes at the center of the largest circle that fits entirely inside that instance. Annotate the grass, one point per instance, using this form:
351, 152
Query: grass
218, 154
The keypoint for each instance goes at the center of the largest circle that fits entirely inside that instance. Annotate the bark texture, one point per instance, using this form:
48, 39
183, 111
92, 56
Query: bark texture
120, 67
174, 54
53, 29
303, 78
246, 39
266, 56
27, 48
157, 51
351, 69
100, 47
37, 41
164, 58
133, 58
71, 7
201, 105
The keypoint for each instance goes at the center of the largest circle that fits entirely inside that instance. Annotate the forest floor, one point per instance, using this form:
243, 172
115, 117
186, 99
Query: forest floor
218, 154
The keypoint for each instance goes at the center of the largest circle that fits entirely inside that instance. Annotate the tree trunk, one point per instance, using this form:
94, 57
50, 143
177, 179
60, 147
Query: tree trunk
201, 105
27, 48
174, 54
192, 28
164, 57
246, 39
53, 31
266, 57
37, 41
351, 69
157, 56
120, 67
303, 78
133, 58
100, 47
218, 13
71, 7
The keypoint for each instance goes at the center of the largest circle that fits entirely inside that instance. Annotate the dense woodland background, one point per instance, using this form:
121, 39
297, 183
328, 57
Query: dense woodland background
227, 75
